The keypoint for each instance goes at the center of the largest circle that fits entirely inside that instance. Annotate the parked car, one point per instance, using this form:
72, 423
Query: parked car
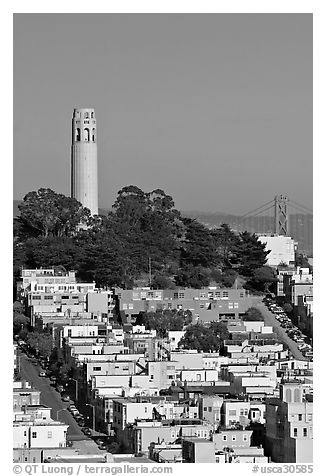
42, 374
59, 388
86, 431
71, 408
53, 378
65, 398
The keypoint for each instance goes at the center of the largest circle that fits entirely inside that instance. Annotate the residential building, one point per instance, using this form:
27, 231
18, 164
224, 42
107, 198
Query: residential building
281, 249
289, 425
198, 450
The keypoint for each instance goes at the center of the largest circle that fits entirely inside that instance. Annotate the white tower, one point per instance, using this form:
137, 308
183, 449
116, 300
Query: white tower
84, 186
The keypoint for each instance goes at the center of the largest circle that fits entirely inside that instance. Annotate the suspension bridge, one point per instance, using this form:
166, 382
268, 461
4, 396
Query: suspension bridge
280, 216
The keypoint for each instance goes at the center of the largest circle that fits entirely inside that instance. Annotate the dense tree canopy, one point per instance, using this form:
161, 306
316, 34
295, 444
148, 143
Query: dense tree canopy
164, 321
253, 314
250, 253
47, 213
204, 339
143, 232
20, 320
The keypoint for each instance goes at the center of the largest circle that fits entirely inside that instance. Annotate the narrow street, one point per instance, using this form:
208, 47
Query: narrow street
50, 397
271, 320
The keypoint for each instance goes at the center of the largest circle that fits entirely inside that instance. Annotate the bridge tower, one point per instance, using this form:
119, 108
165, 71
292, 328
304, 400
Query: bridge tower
281, 215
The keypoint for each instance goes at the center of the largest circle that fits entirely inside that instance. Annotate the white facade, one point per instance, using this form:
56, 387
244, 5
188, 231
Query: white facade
281, 249
174, 338
39, 434
84, 181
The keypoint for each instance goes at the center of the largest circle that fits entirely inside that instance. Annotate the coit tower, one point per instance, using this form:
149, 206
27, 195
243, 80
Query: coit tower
84, 186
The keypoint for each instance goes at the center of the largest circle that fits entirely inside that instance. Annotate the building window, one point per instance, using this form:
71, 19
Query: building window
295, 432
93, 135
97, 369
205, 409
34, 434
245, 437
77, 138
305, 432
49, 434
234, 438
300, 417
224, 437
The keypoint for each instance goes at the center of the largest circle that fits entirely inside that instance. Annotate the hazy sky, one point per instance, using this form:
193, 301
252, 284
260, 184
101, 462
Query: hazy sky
215, 109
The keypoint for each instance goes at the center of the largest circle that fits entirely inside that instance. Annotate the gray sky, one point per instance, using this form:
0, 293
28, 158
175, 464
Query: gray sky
215, 109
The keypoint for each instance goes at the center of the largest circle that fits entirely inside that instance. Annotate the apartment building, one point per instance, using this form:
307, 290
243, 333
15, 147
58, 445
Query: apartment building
209, 407
25, 396
289, 425
31, 432
234, 446
218, 301
140, 434
242, 412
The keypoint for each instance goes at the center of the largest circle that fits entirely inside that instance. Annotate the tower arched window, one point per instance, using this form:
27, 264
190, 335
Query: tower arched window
92, 115
77, 137
93, 135
86, 134
86, 115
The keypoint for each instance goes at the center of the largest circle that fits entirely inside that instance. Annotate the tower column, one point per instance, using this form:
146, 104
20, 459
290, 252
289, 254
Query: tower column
84, 175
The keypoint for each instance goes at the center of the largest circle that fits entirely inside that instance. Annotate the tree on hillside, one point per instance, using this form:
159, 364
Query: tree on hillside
130, 207
162, 282
197, 248
47, 213
226, 243
149, 225
263, 278
250, 254
228, 277
190, 276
